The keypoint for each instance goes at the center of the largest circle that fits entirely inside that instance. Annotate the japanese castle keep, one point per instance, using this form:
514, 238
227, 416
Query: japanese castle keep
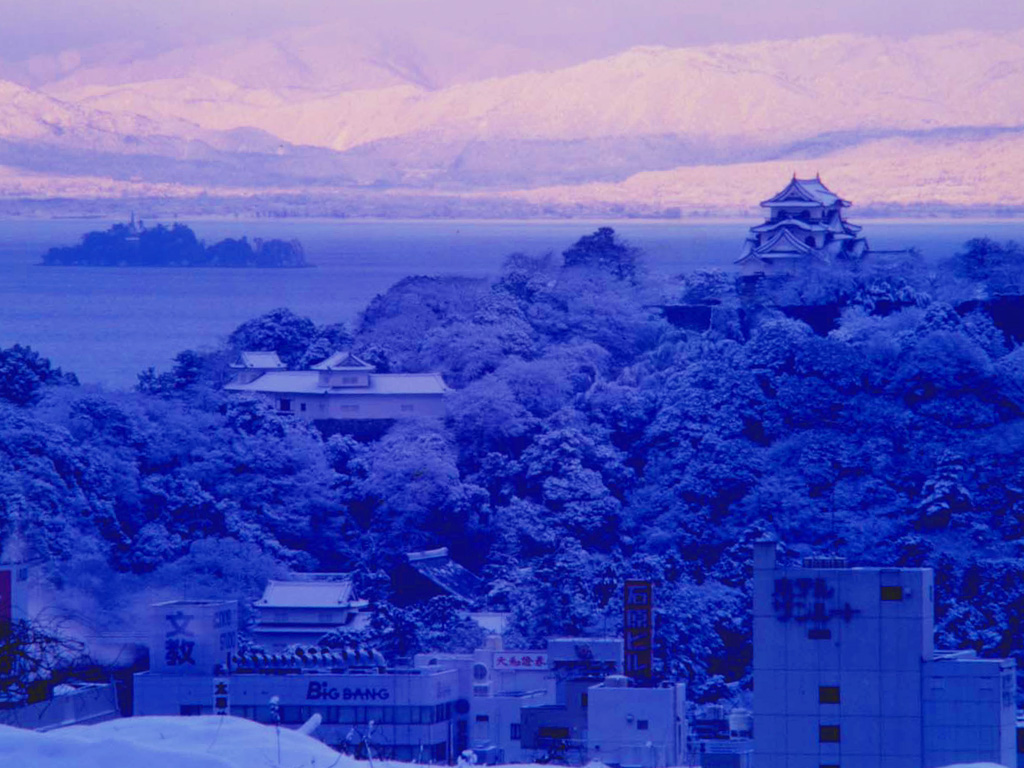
805, 224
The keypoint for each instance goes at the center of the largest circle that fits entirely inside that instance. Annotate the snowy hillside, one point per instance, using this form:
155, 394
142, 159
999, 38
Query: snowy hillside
394, 113
952, 171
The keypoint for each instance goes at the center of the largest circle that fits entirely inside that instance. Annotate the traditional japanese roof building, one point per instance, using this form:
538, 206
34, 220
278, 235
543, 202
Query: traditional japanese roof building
341, 387
252, 365
306, 607
432, 573
805, 224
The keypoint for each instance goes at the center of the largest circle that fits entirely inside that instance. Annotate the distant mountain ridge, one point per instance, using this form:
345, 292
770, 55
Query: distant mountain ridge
386, 114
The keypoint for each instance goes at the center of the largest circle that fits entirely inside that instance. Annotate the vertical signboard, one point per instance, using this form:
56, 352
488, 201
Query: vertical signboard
6, 603
193, 636
638, 629
221, 697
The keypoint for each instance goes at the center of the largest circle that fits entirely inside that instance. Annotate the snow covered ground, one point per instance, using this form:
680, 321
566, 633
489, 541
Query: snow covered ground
183, 742
167, 742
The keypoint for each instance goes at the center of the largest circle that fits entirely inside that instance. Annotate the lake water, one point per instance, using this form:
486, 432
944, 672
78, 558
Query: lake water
107, 324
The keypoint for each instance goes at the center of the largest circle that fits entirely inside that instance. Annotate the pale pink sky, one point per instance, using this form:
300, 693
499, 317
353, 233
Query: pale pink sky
580, 28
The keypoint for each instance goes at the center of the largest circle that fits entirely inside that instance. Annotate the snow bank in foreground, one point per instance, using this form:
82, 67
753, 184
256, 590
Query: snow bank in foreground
185, 742
167, 742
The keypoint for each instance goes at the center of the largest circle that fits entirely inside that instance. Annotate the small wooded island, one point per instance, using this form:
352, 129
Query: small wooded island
134, 245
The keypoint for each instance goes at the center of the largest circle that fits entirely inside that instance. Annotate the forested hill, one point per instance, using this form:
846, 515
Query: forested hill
131, 245
588, 440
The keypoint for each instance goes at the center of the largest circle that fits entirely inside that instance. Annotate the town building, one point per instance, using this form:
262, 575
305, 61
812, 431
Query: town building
846, 674
636, 726
341, 387
805, 225
16, 567
721, 738
366, 708
304, 608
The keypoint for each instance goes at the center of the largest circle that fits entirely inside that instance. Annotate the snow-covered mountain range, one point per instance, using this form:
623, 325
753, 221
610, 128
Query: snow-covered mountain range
334, 108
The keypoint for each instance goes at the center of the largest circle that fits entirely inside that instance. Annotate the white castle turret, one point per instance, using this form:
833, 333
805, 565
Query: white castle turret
805, 224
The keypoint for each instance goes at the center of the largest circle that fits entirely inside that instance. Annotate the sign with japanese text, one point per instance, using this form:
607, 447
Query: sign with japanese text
809, 600
193, 637
520, 660
179, 639
638, 628
221, 696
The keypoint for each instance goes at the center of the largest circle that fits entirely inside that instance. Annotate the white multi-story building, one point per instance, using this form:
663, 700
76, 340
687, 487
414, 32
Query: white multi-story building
341, 387
366, 708
846, 675
629, 726
568, 701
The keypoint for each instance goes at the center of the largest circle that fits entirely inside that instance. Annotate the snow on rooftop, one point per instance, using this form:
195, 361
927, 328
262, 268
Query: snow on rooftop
308, 382
306, 594
259, 359
811, 191
343, 361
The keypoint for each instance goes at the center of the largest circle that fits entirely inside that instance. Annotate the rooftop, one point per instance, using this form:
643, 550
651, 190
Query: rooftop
307, 594
437, 566
259, 360
308, 383
806, 191
343, 361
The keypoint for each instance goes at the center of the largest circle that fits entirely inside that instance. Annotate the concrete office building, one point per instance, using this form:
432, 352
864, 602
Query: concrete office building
846, 675
399, 714
568, 701
629, 726
494, 685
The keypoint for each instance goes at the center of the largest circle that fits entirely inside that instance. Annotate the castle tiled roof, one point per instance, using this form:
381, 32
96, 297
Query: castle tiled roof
266, 360
810, 192
343, 361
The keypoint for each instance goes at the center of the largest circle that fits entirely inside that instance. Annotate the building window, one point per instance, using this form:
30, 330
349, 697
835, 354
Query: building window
828, 694
830, 765
515, 731
553, 732
819, 634
642, 725
892, 594
302, 406
22, 574
828, 734
286, 405
584, 700
483, 718
191, 709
